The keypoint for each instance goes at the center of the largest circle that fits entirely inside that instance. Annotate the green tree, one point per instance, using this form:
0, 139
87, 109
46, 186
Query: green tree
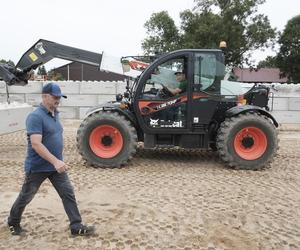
288, 58
54, 76
7, 62
163, 35
234, 21
42, 71
269, 62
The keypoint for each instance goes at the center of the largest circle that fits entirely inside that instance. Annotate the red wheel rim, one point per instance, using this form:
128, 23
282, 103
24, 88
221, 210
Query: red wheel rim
106, 141
250, 143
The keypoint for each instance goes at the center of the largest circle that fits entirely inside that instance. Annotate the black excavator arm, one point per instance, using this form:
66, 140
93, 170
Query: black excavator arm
40, 53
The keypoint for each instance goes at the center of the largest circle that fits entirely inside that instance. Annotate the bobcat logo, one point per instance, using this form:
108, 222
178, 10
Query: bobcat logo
153, 122
40, 48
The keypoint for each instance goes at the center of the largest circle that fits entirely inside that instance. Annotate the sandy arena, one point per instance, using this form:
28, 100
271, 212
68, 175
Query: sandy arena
164, 199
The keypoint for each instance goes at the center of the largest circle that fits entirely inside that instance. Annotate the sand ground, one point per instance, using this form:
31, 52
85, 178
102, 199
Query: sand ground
164, 199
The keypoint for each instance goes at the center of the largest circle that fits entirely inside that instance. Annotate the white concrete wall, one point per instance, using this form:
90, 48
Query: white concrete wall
13, 117
86, 94
81, 95
286, 102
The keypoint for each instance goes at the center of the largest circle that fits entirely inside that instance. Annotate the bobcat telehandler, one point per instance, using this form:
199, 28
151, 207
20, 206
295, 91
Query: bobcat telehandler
238, 126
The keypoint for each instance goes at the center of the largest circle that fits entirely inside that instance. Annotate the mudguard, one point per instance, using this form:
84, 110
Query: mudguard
249, 108
113, 106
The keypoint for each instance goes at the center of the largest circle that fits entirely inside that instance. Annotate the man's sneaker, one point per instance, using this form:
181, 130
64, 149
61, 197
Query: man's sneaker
83, 231
16, 229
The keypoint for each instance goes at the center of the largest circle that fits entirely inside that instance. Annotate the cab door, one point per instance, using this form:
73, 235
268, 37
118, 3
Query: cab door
208, 72
160, 111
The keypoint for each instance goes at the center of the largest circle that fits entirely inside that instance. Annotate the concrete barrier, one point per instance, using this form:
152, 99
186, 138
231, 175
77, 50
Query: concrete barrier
82, 112
86, 94
69, 87
13, 117
80, 101
68, 112
31, 88
279, 103
121, 87
286, 116
2, 88
294, 103
33, 99
98, 88
106, 98
20, 98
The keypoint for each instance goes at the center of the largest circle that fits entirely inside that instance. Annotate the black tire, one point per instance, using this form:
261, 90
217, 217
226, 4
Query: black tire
247, 141
102, 120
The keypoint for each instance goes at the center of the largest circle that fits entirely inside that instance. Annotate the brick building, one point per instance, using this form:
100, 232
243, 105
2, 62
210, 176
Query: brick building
263, 75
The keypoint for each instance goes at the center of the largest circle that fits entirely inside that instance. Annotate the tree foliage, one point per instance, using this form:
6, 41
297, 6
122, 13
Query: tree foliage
269, 62
42, 71
288, 57
54, 76
163, 35
8, 62
211, 21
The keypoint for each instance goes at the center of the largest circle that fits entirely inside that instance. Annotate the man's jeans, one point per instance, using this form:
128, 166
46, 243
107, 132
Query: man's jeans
30, 187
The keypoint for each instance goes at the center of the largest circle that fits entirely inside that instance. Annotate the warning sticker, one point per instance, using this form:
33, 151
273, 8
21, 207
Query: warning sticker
33, 56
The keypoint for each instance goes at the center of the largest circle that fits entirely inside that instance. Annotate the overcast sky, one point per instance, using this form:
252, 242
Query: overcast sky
114, 26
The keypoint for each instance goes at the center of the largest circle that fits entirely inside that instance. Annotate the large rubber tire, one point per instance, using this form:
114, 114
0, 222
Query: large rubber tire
106, 140
247, 141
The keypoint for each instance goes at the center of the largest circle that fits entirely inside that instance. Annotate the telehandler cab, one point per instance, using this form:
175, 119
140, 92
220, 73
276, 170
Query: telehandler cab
239, 126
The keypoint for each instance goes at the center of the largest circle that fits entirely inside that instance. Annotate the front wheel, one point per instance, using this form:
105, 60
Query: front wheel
106, 139
247, 141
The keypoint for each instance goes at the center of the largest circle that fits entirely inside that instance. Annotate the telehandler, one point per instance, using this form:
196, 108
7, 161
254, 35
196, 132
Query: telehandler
238, 126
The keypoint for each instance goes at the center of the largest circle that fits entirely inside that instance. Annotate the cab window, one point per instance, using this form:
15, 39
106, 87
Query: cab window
163, 75
205, 69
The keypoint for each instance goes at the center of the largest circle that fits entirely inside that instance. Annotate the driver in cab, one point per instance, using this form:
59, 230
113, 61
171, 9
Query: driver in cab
181, 79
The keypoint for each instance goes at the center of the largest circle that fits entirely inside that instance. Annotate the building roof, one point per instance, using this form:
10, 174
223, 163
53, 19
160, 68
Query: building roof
83, 72
263, 75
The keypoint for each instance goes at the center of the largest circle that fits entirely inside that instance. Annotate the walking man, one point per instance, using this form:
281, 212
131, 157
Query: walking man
44, 160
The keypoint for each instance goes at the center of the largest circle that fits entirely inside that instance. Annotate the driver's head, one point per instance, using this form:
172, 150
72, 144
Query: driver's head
180, 76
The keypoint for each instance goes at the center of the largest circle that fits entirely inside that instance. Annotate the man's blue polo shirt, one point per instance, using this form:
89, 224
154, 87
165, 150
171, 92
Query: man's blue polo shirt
42, 122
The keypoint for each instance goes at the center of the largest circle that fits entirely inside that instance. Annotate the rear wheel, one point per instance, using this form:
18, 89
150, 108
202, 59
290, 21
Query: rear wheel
247, 141
106, 139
